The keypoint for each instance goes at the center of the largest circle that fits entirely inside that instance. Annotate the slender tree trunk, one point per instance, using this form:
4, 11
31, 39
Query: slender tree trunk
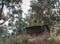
1, 10
39, 16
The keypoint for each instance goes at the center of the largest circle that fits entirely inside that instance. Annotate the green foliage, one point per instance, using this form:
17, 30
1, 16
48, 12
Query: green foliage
19, 24
44, 10
1, 30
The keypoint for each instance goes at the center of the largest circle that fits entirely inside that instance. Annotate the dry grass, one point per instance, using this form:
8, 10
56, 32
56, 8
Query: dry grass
27, 39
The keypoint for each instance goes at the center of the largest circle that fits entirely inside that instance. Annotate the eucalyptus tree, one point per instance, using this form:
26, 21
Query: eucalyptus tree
38, 7
2, 2
47, 11
12, 13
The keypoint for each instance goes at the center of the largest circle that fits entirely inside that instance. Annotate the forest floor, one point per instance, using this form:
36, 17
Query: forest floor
56, 40
27, 39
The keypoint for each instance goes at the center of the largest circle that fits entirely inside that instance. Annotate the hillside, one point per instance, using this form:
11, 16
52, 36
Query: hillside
27, 39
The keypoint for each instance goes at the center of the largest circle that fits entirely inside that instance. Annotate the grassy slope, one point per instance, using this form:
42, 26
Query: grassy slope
27, 39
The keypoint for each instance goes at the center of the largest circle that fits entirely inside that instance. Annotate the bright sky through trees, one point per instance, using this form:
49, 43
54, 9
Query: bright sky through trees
25, 6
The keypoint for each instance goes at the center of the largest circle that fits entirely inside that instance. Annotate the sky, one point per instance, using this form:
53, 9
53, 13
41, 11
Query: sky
25, 6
